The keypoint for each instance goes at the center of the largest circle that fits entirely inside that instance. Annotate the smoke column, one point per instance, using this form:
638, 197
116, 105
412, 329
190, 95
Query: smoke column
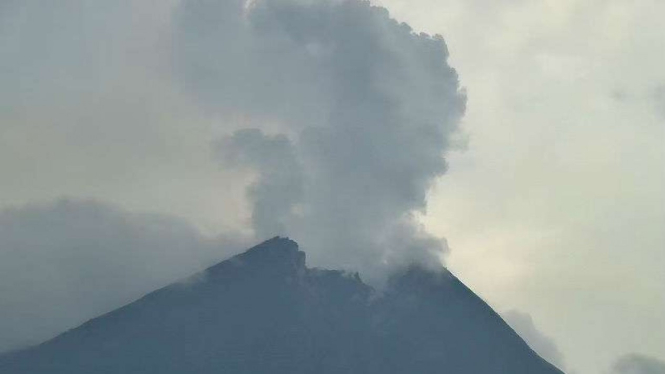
352, 114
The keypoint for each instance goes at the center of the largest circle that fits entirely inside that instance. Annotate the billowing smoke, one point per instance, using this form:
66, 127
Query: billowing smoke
353, 113
281, 185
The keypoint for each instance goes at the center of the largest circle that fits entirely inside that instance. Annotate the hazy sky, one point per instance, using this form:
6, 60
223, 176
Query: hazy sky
552, 203
557, 208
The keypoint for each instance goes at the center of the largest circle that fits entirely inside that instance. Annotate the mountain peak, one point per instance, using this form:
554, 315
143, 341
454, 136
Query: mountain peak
275, 251
276, 256
276, 247
263, 311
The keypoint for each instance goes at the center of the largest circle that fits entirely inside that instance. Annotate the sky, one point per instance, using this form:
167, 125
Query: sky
118, 156
556, 206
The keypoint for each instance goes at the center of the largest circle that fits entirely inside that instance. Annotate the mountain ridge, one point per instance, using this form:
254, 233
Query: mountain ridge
265, 311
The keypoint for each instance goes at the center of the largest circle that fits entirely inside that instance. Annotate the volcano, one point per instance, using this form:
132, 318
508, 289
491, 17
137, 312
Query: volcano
265, 311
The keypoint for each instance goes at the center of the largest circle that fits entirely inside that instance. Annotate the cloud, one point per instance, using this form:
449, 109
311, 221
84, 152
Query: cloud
542, 344
88, 108
659, 100
364, 110
68, 261
638, 364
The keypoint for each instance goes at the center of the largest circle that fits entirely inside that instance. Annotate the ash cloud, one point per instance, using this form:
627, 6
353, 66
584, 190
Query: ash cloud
363, 108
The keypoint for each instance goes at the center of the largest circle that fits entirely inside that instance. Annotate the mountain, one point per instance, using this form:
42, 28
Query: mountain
265, 311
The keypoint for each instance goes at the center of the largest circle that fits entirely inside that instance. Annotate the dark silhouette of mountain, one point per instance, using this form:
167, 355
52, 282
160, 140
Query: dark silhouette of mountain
264, 311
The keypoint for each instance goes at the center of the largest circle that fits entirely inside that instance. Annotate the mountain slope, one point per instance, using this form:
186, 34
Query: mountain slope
264, 311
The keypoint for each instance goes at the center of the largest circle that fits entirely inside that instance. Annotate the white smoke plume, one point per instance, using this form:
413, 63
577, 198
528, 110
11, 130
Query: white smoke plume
363, 109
